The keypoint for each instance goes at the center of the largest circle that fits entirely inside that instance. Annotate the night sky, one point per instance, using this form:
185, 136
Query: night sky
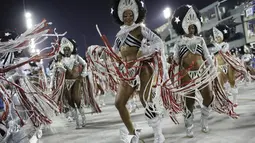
79, 17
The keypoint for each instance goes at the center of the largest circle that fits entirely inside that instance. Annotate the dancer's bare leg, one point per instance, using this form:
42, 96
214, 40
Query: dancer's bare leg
123, 94
190, 102
207, 96
145, 78
76, 97
67, 96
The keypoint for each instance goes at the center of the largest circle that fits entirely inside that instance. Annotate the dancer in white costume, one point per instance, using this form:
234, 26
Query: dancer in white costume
76, 79
197, 72
136, 66
221, 48
27, 107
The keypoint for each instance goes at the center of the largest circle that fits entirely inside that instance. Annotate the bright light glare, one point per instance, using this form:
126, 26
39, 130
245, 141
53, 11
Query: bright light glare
28, 15
167, 13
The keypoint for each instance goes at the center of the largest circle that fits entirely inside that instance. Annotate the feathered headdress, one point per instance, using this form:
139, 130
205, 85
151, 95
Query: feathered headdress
185, 16
136, 6
67, 43
222, 31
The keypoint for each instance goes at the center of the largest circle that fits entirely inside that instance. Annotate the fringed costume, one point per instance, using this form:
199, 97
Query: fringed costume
73, 83
197, 73
223, 57
139, 64
27, 107
97, 65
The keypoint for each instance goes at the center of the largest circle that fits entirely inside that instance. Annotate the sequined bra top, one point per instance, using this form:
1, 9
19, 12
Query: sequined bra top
130, 41
195, 45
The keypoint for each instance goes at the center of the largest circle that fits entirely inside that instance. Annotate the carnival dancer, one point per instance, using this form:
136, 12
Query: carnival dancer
196, 70
104, 82
227, 73
56, 86
25, 105
75, 69
135, 66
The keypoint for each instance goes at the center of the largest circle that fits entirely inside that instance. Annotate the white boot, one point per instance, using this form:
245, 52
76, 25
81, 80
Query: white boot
126, 138
188, 120
73, 113
234, 92
83, 118
77, 119
205, 111
136, 137
156, 126
70, 115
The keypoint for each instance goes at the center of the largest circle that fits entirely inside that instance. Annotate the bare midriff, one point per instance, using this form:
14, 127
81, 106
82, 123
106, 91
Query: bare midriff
189, 58
74, 73
128, 53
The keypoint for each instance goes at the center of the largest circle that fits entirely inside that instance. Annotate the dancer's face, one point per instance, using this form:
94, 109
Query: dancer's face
219, 39
67, 51
192, 29
128, 17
